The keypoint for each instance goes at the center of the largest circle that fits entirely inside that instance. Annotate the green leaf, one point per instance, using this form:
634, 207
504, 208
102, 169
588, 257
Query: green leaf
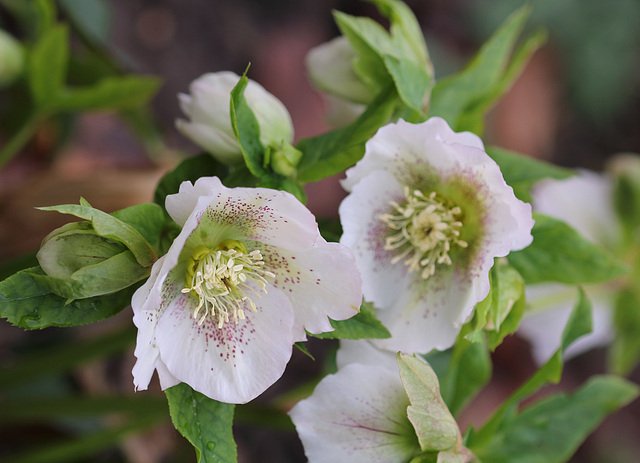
363, 325
108, 226
579, 324
110, 93
453, 96
559, 253
522, 172
190, 169
147, 218
247, 130
473, 119
434, 425
204, 422
468, 371
333, 152
625, 350
551, 430
27, 304
399, 55
48, 65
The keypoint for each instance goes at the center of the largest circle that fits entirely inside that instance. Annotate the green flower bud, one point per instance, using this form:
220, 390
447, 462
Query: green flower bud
79, 263
11, 59
284, 159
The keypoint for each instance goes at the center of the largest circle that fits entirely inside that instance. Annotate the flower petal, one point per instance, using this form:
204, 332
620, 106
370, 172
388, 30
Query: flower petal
431, 314
401, 148
357, 415
232, 364
258, 214
585, 202
364, 233
551, 305
320, 282
364, 352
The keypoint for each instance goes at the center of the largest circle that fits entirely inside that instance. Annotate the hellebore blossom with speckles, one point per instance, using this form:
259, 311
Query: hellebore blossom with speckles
428, 211
210, 127
247, 275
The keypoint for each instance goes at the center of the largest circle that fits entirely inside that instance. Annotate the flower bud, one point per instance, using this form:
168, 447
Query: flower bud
210, 123
11, 59
330, 67
284, 159
79, 263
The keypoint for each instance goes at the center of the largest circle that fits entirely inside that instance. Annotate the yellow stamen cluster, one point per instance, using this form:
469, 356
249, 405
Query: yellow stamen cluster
218, 278
426, 231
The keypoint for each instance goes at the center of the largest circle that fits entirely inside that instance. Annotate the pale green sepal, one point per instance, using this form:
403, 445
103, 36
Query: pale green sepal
109, 276
434, 425
108, 226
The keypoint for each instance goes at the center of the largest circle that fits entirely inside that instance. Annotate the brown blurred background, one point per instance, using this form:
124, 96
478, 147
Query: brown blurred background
575, 104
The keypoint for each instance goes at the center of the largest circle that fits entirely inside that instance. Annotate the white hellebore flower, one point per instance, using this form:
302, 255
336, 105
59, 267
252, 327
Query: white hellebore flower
585, 202
428, 211
247, 275
364, 414
210, 127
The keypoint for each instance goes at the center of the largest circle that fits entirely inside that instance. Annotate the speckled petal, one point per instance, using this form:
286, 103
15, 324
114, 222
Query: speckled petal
260, 214
401, 148
364, 233
358, 415
320, 282
232, 364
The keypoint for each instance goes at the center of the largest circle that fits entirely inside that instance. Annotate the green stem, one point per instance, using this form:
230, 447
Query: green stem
17, 142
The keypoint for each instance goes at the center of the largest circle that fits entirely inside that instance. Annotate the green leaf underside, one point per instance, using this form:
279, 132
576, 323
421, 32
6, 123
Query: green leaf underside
456, 95
204, 422
579, 324
551, 430
434, 425
363, 325
109, 226
559, 253
333, 152
522, 172
147, 219
27, 304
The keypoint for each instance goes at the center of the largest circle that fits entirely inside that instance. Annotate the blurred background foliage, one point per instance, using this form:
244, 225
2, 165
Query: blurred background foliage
66, 395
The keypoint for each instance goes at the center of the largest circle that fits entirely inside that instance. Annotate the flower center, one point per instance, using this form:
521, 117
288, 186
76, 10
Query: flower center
218, 278
426, 228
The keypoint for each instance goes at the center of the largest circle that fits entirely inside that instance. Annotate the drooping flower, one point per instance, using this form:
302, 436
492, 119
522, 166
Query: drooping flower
362, 413
247, 275
210, 127
428, 211
585, 202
